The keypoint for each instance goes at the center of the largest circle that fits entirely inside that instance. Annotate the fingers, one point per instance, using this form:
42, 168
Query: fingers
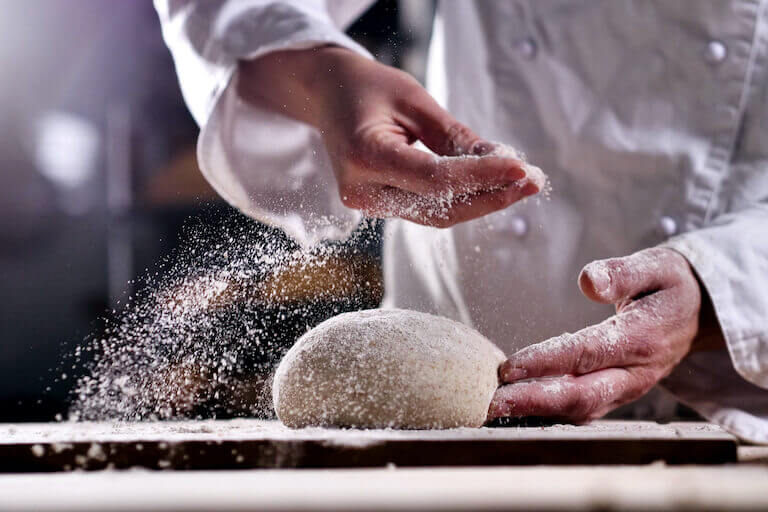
575, 399
483, 203
593, 348
617, 280
632, 337
441, 212
397, 164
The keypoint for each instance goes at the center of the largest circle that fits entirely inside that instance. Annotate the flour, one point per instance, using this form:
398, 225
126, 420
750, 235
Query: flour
613, 330
208, 328
393, 203
205, 332
533, 174
551, 385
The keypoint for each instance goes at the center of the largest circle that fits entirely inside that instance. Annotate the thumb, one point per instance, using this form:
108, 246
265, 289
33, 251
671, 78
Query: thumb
618, 280
440, 131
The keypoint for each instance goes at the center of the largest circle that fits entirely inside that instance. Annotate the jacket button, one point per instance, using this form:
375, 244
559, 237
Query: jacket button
716, 52
668, 225
518, 226
526, 47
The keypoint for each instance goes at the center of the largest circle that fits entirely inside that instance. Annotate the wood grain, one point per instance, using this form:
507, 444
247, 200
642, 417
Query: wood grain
236, 444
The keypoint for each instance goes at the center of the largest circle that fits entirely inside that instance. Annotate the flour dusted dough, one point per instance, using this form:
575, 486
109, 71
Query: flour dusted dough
387, 368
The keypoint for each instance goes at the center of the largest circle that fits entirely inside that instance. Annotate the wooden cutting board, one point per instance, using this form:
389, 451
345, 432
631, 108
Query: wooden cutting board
230, 444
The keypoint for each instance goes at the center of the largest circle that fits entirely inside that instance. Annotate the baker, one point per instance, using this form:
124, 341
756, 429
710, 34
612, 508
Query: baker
648, 117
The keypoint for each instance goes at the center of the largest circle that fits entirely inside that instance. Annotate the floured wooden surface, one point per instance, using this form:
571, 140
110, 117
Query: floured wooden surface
244, 429
243, 444
654, 487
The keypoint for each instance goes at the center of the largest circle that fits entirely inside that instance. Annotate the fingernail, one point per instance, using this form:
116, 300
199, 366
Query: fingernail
482, 148
599, 276
513, 374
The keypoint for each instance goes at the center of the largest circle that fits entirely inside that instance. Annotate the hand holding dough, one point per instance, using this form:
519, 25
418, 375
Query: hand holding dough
387, 369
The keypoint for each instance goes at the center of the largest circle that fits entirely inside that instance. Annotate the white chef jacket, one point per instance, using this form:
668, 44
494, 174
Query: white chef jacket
650, 118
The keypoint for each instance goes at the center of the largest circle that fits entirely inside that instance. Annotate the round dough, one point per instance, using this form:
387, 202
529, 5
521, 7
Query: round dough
387, 369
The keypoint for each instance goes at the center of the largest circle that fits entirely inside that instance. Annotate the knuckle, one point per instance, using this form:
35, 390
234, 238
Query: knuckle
642, 348
590, 358
459, 138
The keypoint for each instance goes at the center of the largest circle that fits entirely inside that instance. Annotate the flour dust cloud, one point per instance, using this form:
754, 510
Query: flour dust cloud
205, 331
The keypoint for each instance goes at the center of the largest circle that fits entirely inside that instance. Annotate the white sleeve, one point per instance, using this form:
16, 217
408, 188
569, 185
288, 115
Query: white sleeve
272, 168
730, 387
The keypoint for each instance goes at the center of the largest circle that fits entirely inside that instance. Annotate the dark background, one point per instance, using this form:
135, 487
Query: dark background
99, 175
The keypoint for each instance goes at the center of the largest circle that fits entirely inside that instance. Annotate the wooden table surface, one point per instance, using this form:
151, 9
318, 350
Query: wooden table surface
739, 485
241, 444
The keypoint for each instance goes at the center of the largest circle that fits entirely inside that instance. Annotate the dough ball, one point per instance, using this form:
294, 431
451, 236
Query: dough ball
387, 369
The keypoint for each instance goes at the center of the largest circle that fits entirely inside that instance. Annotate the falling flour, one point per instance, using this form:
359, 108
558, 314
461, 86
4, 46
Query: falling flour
204, 333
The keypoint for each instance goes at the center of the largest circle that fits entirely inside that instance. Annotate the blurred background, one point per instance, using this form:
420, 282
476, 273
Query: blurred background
100, 184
